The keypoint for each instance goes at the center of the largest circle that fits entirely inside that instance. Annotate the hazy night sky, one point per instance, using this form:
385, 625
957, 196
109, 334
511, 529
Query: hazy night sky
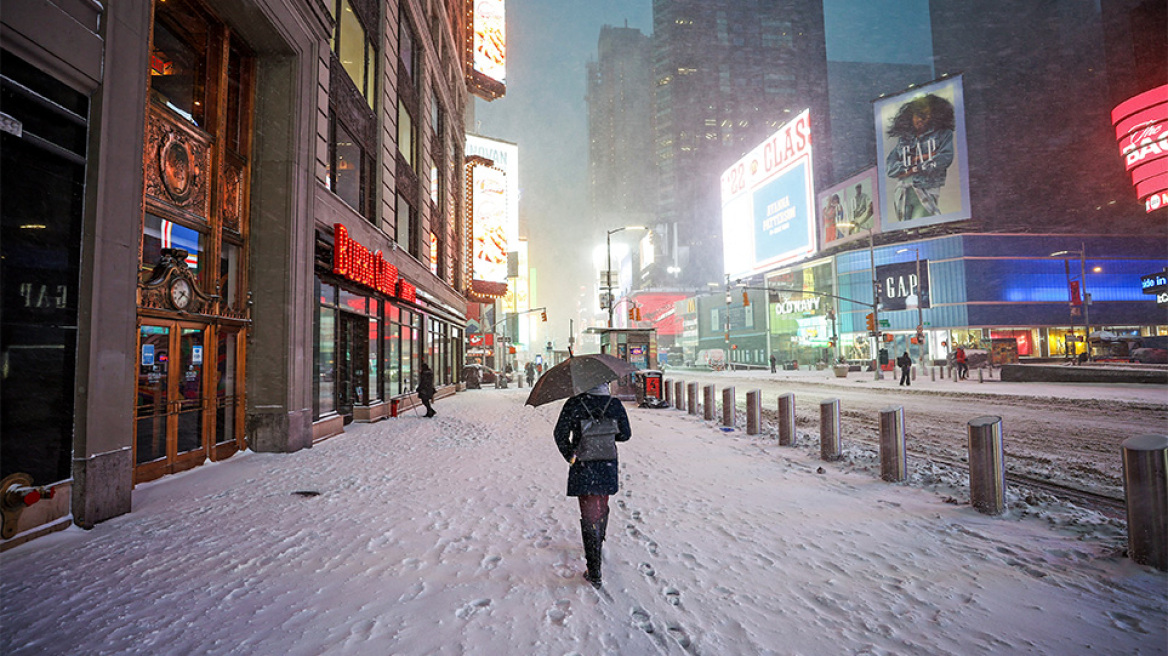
544, 112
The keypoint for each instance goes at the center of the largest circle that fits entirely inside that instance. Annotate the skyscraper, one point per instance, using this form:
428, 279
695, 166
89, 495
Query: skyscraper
728, 73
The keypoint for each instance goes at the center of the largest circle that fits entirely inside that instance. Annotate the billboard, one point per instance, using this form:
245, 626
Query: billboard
899, 287
505, 156
489, 221
848, 210
1141, 128
921, 158
768, 202
488, 57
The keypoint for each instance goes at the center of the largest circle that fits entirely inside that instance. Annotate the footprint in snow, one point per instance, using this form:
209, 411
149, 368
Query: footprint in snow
559, 612
472, 607
647, 570
672, 595
490, 562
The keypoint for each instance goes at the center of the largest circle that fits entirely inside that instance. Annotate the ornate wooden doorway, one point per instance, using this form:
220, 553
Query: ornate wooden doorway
193, 307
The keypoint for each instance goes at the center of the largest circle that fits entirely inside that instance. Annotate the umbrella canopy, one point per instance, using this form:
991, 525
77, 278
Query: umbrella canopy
575, 375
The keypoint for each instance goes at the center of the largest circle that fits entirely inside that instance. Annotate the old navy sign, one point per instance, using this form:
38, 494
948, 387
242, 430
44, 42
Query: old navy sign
353, 261
899, 285
1141, 130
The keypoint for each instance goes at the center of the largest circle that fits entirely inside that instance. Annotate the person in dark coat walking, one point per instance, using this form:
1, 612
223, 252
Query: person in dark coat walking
426, 388
591, 482
905, 364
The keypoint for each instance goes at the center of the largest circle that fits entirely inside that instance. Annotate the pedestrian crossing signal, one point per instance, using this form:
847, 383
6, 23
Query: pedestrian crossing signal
745, 300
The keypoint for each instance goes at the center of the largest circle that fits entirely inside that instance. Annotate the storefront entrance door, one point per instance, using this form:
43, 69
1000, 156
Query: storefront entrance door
352, 360
170, 416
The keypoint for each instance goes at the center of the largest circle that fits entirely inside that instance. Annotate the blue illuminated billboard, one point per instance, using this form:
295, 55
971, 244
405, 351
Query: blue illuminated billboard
768, 202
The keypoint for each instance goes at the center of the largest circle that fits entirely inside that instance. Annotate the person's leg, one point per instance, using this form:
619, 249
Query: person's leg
429, 407
593, 516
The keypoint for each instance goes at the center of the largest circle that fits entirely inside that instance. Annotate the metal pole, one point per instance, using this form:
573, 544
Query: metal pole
608, 275
709, 407
1145, 487
829, 429
987, 478
786, 420
729, 361
753, 411
920, 311
893, 461
875, 303
1086, 298
729, 407
691, 401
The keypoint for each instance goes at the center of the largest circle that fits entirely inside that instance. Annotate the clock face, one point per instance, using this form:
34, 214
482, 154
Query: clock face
181, 293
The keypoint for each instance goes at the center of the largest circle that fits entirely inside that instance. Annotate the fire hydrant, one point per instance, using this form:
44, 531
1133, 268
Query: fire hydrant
16, 494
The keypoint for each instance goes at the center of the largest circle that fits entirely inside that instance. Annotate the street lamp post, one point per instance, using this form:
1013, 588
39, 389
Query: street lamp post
1082, 253
875, 296
608, 271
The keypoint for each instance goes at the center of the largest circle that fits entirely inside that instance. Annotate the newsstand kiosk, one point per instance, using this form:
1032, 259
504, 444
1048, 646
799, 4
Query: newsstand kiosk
638, 347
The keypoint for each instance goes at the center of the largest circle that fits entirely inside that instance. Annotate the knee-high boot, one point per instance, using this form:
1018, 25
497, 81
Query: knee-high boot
604, 525
591, 533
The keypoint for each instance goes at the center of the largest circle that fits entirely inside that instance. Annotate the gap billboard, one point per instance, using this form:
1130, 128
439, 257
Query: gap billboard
768, 202
921, 158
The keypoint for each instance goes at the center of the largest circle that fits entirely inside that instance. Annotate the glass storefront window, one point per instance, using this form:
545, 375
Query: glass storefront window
229, 274
178, 61
351, 302
391, 346
374, 358
326, 361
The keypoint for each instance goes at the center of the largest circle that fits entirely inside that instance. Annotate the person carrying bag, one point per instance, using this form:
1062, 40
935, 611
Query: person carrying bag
586, 433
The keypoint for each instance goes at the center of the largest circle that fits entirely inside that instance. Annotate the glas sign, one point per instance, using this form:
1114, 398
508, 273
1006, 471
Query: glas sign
1141, 129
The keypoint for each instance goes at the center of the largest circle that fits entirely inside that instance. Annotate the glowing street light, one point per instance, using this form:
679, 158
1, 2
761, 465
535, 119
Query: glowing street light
608, 271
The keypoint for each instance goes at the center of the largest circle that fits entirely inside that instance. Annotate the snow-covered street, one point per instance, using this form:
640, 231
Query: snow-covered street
453, 536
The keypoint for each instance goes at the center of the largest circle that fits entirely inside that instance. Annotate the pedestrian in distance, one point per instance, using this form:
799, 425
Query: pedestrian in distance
529, 371
905, 363
773, 363
426, 388
962, 364
588, 443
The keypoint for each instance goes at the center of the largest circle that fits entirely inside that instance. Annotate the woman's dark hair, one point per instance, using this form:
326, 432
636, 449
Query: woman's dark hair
938, 110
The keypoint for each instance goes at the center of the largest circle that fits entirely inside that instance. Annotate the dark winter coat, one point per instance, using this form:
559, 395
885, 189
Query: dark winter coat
904, 361
426, 383
597, 476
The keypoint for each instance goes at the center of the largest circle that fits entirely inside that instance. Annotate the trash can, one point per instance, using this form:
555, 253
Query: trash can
651, 384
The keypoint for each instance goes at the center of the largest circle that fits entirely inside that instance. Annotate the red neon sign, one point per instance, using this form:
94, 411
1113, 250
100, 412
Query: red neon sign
406, 291
352, 261
1141, 128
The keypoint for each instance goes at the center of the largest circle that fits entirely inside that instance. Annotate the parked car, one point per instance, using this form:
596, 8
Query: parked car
477, 375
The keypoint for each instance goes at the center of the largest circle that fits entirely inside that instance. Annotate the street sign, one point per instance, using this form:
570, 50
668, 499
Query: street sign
884, 323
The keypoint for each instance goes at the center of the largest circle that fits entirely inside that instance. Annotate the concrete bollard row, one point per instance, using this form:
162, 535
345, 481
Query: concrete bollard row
709, 408
786, 420
1145, 491
987, 476
667, 392
679, 394
893, 461
753, 411
829, 429
691, 398
729, 407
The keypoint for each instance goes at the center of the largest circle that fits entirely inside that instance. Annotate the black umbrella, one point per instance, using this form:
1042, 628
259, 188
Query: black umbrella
575, 375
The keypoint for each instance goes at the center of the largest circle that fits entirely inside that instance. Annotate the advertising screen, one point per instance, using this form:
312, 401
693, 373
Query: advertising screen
489, 235
488, 58
768, 202
505, 156
1141, 128
921, 159
848, 210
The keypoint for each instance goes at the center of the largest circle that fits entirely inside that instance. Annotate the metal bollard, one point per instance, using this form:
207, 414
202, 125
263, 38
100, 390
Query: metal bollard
1145, 490
786, 420
987, 476
979, 378
729, 407
753, 411
709, 408
933, 374
679, 394
667, 392
914, 373
893, 462
829, 429
691, 398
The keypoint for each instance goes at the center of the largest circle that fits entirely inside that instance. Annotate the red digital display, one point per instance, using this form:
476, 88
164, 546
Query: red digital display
353, 261
1141, 129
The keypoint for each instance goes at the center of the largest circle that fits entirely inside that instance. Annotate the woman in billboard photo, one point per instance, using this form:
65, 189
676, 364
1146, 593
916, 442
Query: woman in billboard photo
923, 128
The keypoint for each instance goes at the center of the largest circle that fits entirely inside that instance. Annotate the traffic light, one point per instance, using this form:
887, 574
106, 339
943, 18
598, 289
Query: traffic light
543, 316
745, 299
632, 314
637, 314
871, 319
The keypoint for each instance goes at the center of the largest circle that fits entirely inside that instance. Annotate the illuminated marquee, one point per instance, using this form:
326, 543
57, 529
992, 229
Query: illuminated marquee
1141, 129
353, 261
487, 48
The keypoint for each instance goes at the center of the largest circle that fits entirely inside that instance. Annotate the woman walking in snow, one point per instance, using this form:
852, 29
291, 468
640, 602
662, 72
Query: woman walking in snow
592, 477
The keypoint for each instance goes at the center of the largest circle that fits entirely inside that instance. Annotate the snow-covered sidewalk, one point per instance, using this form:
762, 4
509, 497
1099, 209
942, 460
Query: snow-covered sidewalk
453, 536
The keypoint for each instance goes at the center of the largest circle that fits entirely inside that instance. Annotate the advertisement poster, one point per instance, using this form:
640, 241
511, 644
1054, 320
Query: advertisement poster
899, 287
489, 235
488, 56
921, 158
849, 210
768, 202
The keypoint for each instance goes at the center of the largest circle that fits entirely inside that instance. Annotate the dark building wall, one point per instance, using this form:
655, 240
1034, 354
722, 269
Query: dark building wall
1037, 82
728, 74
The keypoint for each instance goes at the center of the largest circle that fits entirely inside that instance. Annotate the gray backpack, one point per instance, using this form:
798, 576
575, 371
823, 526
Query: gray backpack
597, 437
